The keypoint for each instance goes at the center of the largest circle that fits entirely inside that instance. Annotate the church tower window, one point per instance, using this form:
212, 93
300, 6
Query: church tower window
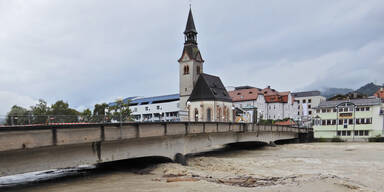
186, 70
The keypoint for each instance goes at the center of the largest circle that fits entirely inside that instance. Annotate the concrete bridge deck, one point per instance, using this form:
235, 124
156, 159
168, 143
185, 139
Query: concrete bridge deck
26, 149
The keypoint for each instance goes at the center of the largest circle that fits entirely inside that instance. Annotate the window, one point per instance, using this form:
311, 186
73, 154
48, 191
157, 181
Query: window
304, 101
298, 113
323, 110
334, 122
367, 108
317, 110
350, 121
158, 107
328, 110
366, 133
328, 122
198, 70
323, 122
358, 121
361, 133
310, 112
186, 69
334, 110
362, 121
348, 133
338, 133
309, 106
362, 109
186, 89
357, 109
343, 133
340, 121
147, 108
196, 115
309, 100
209, 114
356, 133
368, 121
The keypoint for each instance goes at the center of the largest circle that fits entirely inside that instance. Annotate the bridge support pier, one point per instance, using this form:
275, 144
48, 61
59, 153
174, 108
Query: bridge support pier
181, 159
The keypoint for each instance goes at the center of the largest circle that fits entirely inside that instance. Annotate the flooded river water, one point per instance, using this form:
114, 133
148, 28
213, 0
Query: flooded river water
292, 167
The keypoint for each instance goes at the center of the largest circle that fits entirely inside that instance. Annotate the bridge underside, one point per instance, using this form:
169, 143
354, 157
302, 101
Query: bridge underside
63, 156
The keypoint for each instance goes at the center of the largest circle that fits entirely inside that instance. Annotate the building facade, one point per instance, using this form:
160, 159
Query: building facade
307, 102
357, 119
267, 102
209, 101
190, 63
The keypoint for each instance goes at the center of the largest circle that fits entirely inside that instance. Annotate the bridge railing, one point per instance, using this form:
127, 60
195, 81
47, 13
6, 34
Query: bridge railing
23, 137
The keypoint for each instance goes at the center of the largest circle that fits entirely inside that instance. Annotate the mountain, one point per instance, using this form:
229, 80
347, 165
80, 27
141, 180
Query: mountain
369, 89
330, 92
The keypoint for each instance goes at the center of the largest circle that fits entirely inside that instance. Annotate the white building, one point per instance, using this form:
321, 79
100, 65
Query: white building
307, 102
269, 103
152, 109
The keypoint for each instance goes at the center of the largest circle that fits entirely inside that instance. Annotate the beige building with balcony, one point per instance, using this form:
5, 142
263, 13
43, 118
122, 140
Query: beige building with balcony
351, 120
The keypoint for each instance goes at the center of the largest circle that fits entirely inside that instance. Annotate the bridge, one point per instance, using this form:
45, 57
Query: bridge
34, 148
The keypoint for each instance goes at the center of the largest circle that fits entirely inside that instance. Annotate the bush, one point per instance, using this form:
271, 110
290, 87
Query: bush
336, 139
378, 138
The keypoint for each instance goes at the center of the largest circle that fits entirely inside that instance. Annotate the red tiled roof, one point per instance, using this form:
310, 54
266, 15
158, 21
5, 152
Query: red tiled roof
288, 122
244, 94
270, 95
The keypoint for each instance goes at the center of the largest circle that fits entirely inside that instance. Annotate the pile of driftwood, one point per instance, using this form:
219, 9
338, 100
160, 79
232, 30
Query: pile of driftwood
241, 181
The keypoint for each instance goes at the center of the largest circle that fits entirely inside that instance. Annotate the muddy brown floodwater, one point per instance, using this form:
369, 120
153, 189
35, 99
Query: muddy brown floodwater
294, 167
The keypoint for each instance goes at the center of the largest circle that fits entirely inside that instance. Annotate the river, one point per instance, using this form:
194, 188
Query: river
292, 167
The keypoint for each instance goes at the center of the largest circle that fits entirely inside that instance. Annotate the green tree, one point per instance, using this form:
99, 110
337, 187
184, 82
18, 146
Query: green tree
101, 113
120, 111
86, 115
61, 113
40, 112
18, 116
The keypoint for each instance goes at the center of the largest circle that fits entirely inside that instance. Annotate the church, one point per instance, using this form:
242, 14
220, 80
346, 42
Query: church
203, 97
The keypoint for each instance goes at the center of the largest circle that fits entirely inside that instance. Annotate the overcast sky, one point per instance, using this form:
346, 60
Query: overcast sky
91, 51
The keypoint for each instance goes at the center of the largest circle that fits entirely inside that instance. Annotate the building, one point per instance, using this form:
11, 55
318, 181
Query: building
153, 109
357, 119
202, 96
190, 64
209, 101
307, 101
159, 108
380, 93
207, 97
267, 103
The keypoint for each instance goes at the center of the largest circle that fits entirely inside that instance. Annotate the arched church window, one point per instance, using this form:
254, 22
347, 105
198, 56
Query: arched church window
218, 117
186, 70
209, 118
196, 115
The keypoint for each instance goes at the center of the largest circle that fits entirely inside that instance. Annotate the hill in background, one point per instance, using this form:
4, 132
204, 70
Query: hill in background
367, 90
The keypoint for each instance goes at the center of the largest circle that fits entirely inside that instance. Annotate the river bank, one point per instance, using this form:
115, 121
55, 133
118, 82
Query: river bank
293, 167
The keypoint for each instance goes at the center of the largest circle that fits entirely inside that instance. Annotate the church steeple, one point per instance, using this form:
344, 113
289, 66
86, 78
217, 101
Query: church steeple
190, 30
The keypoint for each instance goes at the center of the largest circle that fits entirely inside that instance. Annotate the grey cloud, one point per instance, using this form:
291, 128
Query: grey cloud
92, 51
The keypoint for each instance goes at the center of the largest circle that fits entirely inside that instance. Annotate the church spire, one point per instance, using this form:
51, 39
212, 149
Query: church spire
190, 30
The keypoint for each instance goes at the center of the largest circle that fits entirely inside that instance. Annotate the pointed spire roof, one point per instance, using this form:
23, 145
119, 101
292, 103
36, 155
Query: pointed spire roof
190, 23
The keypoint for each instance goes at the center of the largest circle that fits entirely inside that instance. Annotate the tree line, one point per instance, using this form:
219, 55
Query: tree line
60, 112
